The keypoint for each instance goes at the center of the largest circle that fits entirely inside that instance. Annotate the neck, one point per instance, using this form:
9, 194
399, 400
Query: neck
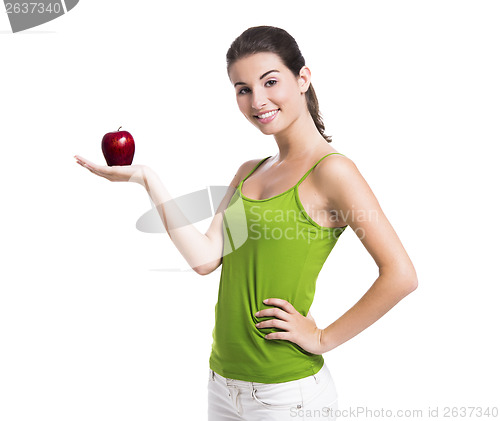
299, 140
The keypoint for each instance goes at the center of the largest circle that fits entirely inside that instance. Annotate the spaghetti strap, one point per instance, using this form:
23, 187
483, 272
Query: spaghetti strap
317, 162
254, 168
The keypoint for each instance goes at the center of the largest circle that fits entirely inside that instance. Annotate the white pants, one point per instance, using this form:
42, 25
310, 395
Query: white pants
309, 398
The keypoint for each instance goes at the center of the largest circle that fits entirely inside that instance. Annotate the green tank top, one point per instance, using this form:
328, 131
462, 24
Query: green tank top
272, 249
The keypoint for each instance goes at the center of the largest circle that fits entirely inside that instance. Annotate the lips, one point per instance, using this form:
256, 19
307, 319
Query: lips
267, 114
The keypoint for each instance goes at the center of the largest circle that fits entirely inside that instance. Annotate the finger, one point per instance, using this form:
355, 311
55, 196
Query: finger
278, 335
94, 170
89, 163
86, 165
273, 312
86, 162
80, 159
277, 323
284, 304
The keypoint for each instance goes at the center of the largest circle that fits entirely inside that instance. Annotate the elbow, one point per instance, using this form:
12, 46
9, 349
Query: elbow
412, 285
409, 281
207, 268
404, 280
201, 270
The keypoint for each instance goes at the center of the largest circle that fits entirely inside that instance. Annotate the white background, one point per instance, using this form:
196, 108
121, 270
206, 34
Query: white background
100, 321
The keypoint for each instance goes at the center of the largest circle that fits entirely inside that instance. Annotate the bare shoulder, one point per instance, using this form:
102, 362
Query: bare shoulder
335, 171
342, 184
243, 171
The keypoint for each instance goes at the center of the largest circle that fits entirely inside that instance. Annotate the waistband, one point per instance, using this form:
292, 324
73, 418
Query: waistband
320, 376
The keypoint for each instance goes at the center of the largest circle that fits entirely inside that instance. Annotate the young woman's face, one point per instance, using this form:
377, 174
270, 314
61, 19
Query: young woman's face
267, 92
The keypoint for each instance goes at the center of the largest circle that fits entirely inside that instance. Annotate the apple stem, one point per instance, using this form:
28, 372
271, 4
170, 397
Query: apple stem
119, 128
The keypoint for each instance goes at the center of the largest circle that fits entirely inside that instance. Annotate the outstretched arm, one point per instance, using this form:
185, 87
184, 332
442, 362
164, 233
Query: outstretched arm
203, 252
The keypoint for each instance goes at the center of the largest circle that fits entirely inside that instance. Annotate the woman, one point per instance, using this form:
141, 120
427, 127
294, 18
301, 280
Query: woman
266, 361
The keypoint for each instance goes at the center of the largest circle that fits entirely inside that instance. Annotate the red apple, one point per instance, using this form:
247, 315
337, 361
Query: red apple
118, 147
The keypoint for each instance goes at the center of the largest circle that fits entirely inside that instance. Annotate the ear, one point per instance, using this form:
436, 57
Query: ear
304, 79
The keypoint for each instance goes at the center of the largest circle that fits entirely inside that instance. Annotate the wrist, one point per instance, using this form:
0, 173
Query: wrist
322, 342
326, 341
142, 176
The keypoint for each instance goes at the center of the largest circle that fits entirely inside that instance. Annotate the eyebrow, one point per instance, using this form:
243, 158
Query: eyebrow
262, 77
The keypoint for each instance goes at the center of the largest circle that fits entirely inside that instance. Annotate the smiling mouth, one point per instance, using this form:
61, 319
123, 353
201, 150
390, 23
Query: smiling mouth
266, 115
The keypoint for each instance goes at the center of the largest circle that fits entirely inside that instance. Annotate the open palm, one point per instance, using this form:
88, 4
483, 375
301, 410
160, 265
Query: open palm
131, 173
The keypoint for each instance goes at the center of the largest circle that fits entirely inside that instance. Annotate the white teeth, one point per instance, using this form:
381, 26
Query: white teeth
269, 114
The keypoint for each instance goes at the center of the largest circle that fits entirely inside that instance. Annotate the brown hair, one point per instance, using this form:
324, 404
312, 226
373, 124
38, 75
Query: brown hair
260, 39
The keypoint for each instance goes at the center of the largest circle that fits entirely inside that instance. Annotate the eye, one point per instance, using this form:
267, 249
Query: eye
243, 91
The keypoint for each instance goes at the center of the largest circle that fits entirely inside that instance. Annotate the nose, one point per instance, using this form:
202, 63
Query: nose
259, 99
